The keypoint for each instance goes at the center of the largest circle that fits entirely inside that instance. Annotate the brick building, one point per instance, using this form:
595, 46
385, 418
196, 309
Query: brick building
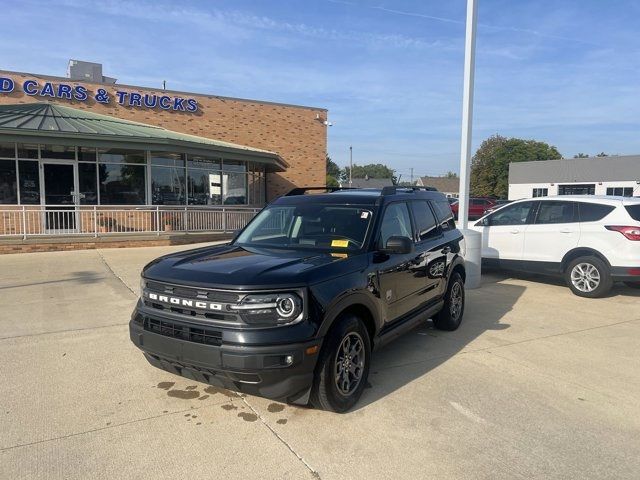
86, 141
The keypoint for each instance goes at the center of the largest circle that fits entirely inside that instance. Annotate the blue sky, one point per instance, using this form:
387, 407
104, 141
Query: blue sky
389, 71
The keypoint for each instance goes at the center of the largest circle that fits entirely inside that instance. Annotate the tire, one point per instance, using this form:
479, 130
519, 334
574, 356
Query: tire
632, 284
450, 317
588, 277
332, 390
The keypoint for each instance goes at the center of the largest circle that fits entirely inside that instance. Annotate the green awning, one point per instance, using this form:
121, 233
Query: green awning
58, 124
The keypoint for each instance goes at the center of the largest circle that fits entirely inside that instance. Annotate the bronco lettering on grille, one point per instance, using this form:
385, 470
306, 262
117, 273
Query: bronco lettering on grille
183, 302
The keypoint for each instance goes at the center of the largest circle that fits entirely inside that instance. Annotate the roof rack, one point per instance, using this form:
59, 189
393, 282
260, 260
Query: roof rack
394, 189
303, 190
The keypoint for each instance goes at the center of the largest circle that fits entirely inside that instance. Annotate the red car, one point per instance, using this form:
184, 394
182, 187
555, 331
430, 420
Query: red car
477, 206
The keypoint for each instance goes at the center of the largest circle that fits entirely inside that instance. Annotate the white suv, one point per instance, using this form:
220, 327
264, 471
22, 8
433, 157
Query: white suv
591, 240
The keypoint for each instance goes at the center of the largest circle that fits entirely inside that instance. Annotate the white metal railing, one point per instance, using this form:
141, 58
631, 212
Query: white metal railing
58, 220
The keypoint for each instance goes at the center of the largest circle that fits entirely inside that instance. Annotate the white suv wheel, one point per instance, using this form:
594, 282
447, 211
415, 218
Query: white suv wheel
585, 277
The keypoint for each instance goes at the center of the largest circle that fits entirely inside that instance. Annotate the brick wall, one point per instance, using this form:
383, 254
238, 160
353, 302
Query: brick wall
291, 131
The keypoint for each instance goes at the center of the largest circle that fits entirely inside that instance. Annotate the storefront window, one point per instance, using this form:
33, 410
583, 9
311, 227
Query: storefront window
87, 154
8, 191
234, 189
29, 182
122, 184
204, 187
204, 163
27, 151
121, 155
7, 150
167, 186
87, 183
58, 152
167, 159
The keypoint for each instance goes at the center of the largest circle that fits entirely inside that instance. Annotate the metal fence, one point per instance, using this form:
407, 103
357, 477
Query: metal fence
59, 220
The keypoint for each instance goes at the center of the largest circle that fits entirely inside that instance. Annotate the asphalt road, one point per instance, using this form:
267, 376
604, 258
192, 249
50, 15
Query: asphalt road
537, 383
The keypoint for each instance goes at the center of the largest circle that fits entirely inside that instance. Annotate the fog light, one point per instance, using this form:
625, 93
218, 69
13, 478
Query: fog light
288, 360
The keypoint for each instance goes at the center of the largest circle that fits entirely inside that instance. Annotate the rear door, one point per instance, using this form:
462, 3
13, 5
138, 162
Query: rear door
503, 234
432, 247
554, 231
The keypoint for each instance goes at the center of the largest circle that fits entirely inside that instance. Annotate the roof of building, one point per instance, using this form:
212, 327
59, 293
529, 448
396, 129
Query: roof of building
47, 122
591, 169
442, 184
368, 183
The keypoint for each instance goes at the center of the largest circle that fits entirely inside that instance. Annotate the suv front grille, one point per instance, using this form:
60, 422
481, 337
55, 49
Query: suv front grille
192, 292
181, 331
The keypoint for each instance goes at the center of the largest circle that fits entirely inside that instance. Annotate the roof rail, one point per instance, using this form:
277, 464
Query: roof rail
394, 189
303, 190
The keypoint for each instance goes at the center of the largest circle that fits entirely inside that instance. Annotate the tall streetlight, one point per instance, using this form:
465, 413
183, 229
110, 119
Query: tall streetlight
473, 240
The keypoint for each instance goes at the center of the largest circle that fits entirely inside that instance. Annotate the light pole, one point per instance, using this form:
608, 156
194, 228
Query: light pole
473, 239
350, 164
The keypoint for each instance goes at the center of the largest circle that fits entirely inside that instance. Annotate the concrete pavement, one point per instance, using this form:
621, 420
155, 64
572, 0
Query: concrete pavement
537, 383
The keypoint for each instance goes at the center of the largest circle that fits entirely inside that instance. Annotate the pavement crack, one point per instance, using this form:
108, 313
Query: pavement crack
284, 442
104, 260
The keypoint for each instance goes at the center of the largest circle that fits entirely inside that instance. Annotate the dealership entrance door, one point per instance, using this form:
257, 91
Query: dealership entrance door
59, 187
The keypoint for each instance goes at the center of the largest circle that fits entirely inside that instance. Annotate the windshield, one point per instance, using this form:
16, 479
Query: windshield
328, 227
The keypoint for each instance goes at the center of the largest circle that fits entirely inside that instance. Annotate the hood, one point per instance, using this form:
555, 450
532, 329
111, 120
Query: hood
230, 266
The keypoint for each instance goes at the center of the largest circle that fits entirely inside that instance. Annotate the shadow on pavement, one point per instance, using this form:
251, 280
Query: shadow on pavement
83, 278
423, 349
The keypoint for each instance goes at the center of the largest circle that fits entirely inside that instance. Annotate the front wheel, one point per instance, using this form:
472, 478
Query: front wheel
588, 277
450, 317
343, 366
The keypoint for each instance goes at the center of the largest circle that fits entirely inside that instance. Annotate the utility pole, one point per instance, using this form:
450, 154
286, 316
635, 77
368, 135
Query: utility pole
411, 175
473, 239
350, 165
467, 112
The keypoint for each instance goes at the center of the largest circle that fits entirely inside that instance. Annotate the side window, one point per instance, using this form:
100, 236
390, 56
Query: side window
592, 212
396, 222
555, 212
444, 215
515, 214
426, 224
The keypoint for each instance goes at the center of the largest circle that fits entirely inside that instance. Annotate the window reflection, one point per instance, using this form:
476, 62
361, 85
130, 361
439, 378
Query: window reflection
122, 184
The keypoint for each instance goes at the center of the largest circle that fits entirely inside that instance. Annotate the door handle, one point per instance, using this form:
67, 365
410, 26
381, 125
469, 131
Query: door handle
515, 231
566, 230
446, 250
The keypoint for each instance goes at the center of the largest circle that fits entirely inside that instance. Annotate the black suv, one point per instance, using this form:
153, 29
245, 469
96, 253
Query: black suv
292, 308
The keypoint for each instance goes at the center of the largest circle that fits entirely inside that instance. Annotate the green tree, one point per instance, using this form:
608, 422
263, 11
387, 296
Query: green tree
372, 170
490, 164
333, 173
581, 155
602, 154
451, 174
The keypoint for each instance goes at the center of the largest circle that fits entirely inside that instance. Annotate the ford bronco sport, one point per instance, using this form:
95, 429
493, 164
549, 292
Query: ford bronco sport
292, 308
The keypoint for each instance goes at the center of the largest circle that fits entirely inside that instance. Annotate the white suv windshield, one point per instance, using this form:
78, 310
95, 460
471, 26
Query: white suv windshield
328, 227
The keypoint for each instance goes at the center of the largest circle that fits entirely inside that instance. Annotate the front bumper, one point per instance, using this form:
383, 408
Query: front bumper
282, 372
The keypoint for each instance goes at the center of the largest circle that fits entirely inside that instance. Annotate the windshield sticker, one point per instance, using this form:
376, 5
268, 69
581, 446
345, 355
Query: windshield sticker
364, 215
339, 255
340, 243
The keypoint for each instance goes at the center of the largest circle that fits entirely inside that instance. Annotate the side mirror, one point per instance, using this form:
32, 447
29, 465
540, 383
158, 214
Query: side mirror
398, 244
485, 222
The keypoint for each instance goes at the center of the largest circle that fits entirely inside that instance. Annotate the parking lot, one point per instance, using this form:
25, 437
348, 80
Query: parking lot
536, 383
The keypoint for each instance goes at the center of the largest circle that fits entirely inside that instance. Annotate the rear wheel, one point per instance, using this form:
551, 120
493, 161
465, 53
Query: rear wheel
588, 277
450, 316
343, 366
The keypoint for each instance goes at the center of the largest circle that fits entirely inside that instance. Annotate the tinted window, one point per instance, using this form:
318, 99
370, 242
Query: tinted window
87, 183
591, 212
426, 225
8, 191
444, 215
395, 222
555, 212
29, 182
634, 211
121, 184
515, 214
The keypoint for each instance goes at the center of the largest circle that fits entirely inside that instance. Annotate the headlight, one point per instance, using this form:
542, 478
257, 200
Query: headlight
142, 286
270, 309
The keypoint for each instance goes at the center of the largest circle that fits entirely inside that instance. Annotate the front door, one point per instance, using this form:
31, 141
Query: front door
503, 234
59, 196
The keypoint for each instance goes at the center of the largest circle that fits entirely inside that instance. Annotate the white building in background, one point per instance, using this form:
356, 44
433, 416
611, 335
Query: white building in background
619, 175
